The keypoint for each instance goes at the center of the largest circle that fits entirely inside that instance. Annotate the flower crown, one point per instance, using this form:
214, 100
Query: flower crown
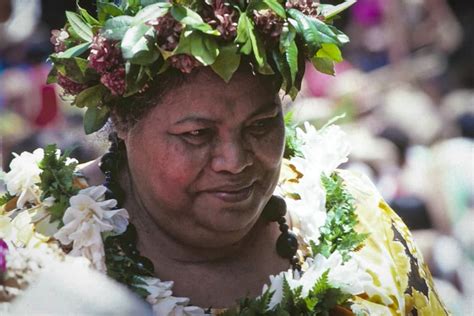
119, 52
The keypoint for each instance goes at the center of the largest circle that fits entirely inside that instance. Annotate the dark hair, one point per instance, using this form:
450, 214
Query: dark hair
128, 111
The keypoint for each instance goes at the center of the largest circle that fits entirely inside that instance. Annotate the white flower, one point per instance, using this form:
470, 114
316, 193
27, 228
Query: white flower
23, 264
310, 207
5, 226
276, 286
164, 304
157, 289
23, 175
323, 152
325, 149
88, 215
348, 276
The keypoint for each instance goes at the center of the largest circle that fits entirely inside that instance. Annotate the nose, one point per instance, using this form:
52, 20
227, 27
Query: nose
231, 156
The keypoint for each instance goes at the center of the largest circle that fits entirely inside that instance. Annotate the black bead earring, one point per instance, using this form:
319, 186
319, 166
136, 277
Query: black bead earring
287, 242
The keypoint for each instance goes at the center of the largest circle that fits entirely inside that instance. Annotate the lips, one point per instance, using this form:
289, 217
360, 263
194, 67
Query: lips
232, 194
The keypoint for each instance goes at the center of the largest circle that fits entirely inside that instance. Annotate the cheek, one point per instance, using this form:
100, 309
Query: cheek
165, 165
269, 150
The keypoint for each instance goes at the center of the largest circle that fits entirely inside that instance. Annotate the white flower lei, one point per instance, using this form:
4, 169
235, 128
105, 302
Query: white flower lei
90, 214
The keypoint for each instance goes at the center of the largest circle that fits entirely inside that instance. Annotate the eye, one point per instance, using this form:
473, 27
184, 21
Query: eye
263, 126
198, 136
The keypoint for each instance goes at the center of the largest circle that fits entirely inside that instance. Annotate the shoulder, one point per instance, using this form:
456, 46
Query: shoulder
402, 280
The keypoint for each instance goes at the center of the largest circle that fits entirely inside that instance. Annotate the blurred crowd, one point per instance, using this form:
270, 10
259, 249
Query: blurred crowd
406, 88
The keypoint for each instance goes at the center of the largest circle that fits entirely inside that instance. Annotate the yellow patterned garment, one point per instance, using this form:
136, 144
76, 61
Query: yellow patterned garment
402, 282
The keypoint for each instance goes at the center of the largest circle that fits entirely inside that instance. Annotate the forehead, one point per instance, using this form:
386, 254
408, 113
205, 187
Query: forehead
207, 95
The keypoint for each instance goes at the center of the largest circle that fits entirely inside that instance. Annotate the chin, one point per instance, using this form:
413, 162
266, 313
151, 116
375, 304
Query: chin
232, 219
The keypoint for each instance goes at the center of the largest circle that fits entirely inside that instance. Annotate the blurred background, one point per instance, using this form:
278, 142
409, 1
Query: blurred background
406, 87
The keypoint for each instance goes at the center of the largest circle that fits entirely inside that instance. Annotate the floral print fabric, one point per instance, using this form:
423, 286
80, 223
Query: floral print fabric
402, 283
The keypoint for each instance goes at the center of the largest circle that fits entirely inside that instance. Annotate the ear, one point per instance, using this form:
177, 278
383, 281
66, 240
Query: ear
122, 134
118, 127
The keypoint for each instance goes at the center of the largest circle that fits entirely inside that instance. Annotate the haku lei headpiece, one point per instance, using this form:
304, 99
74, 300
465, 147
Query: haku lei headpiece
115, 55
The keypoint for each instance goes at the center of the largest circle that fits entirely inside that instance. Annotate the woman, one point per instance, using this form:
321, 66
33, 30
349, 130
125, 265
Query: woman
196, 157
208, 156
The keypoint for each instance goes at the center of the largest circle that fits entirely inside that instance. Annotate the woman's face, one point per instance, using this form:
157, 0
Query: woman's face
207, 158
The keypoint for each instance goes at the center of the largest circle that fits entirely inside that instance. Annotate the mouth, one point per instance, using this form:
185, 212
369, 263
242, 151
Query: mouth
232, 194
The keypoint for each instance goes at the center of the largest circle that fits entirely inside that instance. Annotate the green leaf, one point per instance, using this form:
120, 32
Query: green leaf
87, 17
331, 51
306, 29
199, 45
75, 68
52, 76
95, 118
145, 3
338, 232
152, 12
227, 62
257, 47
204, 49
192, 19
116, 27
243, 37
326, 33
276, 7
292, 60
129, 7
136, 77
330, 11
57, 181
284, 69
185, 15
79, 26
322, 285
250, 41
106, 10
74, 51
145, 57
135, 41
266, 69
341, 37
324, 65
91, 97
288, 35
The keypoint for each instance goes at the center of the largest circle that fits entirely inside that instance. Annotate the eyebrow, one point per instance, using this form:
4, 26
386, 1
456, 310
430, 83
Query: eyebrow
265, 109
203, 120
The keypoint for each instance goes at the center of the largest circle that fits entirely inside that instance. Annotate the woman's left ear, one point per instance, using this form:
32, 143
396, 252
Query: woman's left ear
122, 134
120, 131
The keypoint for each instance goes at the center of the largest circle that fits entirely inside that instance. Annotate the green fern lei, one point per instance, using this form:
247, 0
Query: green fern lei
321, 299
57, 179
338, 233
123, 266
